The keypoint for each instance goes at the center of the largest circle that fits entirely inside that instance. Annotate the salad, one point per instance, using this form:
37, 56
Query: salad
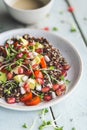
31, 71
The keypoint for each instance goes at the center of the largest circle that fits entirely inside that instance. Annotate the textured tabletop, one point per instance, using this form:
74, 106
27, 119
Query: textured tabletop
72, 111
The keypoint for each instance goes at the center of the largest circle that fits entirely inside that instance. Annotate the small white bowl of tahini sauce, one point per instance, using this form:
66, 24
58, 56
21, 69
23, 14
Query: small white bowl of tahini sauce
28, 11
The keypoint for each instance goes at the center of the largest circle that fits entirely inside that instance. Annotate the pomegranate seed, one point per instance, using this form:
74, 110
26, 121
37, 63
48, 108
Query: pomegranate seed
46, 29
11, 100
64, 73
28, 72
20, 55
26, 87
0, 63
29, 55
9, 76
40, 50
59, 92
63, 87
40, 81
15, 44
71, 9
47, 97
45, 89
19, 47
66, 67
31, 44
20, 70
27, 62
7, 45
35, 66
55, 86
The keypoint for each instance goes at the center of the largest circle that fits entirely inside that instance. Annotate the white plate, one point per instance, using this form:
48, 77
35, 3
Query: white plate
68, 51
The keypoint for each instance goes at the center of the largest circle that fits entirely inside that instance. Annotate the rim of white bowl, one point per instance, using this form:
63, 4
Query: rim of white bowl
28, 10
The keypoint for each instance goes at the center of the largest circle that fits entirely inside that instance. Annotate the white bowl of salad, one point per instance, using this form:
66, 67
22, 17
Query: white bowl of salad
34, 73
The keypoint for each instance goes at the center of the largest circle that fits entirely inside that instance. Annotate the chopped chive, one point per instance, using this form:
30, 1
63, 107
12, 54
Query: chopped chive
73, 128
24, 125
41, 96
73, 28
58, 128
71, 119
85, 19
62, 78
55, 29
9, 68
67, 82
52, 67
47, 15
44, 124
61, 12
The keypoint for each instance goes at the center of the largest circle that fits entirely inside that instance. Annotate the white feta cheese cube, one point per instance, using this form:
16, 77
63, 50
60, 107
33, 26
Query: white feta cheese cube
47, 58
38, 87
53, 95
25, 78
22, 90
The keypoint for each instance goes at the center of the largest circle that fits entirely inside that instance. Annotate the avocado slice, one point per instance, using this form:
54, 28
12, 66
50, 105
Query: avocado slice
38, 45
36, 60
3, 77
18, 78
32, 83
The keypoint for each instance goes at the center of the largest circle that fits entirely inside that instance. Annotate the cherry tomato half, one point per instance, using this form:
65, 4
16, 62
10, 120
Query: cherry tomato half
34, 101
26, 97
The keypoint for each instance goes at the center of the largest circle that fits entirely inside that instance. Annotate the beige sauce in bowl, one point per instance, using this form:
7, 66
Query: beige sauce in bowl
28, 4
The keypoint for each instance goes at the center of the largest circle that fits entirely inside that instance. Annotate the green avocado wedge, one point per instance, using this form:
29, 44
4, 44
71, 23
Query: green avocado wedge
3, 77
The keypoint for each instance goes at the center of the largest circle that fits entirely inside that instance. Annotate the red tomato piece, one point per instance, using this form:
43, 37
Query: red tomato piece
38, 74
34, 101
43, 63
40, 81
26, 97
26, 87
